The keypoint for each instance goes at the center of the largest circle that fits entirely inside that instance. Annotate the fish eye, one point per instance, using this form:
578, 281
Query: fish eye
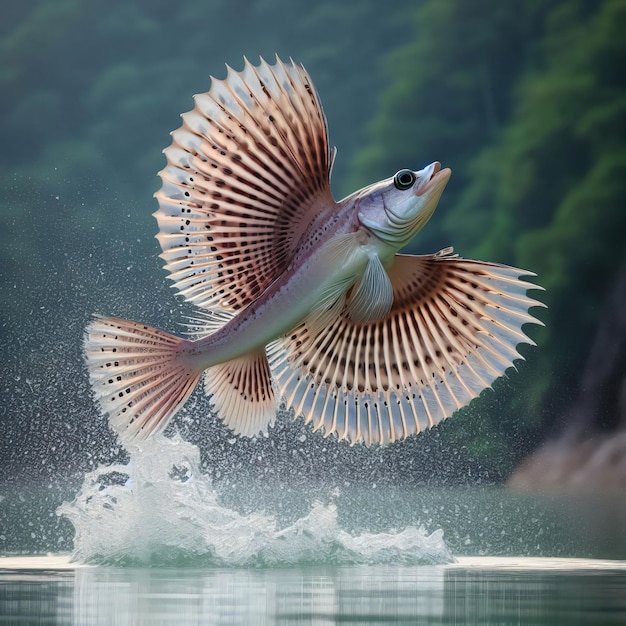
404, 179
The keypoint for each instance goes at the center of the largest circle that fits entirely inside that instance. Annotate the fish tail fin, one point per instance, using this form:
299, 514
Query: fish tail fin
139, 374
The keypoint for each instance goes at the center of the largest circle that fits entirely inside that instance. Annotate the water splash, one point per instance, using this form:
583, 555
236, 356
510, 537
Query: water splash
160, 509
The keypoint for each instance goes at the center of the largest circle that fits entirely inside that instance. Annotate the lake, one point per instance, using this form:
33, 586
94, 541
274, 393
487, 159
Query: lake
475, 590
155, 541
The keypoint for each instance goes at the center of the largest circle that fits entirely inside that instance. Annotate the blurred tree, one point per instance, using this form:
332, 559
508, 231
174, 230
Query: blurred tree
552, 188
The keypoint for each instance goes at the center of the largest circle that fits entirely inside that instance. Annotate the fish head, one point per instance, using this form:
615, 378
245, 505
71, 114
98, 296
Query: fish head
395, 209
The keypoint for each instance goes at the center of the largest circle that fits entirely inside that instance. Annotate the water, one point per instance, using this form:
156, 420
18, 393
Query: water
155, 541
476, 590
160, 508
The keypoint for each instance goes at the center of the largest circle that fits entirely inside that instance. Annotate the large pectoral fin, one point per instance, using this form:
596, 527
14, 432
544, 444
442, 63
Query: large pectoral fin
247, 173
452, 330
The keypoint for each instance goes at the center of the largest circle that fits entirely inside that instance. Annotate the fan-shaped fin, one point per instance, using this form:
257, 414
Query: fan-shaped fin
242, 393
247, 174
139, 375
453, 329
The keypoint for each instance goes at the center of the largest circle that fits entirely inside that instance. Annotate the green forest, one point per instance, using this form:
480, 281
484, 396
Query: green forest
525, 101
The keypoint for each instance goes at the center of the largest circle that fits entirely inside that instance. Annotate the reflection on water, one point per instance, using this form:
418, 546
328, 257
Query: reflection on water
251, 597
460, 594
260, 554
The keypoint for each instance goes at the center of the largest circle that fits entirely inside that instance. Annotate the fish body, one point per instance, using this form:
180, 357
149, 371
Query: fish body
306, 299
326, 264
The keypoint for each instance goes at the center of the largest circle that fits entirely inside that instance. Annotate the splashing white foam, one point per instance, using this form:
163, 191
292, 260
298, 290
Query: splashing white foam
160, 509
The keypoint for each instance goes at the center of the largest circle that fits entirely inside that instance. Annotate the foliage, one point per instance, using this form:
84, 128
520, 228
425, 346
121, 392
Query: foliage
558, 186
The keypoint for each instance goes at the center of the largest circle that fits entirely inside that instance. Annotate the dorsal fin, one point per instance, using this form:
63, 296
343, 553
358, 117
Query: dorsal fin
452, 330
247, 173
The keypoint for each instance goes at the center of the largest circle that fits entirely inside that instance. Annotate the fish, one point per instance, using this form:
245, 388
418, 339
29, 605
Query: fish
303, 301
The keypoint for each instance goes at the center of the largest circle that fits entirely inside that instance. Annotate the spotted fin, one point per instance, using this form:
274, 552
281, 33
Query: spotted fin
138, 373
452, 330
242, 393
246, 175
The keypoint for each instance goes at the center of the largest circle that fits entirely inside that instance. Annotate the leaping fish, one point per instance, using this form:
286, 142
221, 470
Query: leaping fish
306, 300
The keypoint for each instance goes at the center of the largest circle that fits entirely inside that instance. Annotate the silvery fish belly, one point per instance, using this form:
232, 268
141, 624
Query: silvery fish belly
302, 299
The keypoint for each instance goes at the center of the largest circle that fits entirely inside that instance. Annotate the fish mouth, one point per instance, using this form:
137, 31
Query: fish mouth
435, 176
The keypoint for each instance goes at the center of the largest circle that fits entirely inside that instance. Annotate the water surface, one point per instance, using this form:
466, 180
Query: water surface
155, 541
476, 590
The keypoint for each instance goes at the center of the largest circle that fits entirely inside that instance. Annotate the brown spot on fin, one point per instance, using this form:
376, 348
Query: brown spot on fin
242, 393
247, 173
139, 375
452, 330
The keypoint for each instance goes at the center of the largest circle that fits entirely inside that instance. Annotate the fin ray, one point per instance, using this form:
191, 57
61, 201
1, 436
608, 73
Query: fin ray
138, 375
372, 297
242, 392
246, 175
452, 330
